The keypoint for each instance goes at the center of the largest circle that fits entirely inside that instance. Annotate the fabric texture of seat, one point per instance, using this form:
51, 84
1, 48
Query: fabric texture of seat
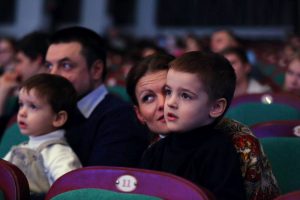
284, 154
13, 183
129, 180
277, 128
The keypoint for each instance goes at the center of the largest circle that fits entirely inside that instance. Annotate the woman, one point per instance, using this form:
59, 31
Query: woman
145, 86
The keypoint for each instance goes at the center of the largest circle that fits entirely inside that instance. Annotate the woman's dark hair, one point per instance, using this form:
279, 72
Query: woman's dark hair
152, 63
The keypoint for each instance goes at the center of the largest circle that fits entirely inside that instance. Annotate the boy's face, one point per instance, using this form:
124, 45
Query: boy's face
187, 105
35, 115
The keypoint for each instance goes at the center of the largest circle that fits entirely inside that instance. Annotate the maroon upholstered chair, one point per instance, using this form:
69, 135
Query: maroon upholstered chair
129, 180
277, 128
13, 183
289, 196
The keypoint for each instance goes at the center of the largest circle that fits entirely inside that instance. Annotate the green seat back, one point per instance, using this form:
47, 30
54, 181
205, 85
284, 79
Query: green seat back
90, 193
119, 91
11, 136
1, 195
284, 156
252, 113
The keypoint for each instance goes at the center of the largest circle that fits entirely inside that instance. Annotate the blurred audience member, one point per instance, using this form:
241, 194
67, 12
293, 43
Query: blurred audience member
7, 53
192, 43
292, 76
29, 60
222, 39
244, 84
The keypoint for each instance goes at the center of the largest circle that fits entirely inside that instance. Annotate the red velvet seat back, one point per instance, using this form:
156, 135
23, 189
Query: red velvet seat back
13, 182
129, 180
277, 128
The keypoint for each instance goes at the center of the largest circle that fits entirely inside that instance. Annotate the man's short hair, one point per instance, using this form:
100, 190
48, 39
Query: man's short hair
93, 45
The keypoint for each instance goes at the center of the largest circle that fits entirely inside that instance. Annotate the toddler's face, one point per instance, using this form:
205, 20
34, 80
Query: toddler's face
35, 115
187, 104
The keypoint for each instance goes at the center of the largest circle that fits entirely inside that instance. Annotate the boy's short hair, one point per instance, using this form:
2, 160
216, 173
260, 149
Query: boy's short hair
56, 90
238, 51
215, 72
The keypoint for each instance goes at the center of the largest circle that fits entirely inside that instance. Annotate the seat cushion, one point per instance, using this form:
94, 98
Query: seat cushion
91, 193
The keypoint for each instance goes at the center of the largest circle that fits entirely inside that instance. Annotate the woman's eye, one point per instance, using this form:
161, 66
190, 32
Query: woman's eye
148, 98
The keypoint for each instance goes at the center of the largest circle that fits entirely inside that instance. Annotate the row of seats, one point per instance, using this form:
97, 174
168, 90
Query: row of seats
107, 183
251, 109
101, 182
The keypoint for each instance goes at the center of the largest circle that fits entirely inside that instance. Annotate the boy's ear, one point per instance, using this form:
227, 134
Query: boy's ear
138, 115
60, 119
218, 108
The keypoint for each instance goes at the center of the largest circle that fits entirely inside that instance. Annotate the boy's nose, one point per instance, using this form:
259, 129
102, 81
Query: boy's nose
172, 101
22, 112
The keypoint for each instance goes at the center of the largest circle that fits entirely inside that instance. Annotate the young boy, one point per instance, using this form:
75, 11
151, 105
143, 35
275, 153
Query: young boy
199, 89
45, 104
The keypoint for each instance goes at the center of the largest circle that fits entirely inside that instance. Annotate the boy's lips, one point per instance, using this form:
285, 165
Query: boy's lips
22, 125
171, 117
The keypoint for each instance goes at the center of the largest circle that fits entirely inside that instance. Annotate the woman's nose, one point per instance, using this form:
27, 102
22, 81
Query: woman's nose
161, 103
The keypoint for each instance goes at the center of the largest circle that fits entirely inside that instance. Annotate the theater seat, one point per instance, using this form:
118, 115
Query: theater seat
277, 128
283, 154
124, 181
13, 183
256, 108
290, 196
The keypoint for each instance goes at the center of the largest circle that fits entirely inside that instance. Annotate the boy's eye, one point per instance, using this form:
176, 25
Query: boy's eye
168, 91
32, 106
20, 104
186, 96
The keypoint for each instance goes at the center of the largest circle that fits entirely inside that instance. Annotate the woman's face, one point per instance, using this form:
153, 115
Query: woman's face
150, 97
